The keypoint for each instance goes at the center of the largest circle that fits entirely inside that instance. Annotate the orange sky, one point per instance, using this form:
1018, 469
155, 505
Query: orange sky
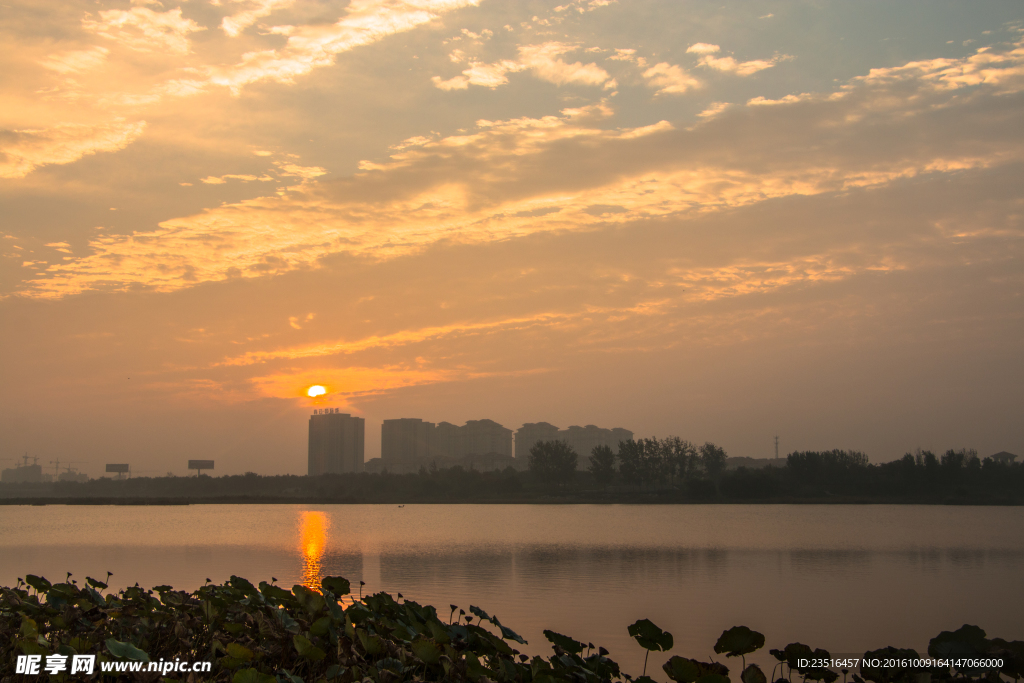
720, 223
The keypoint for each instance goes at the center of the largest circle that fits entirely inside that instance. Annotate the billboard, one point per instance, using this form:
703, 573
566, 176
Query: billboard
119, 468
200, 464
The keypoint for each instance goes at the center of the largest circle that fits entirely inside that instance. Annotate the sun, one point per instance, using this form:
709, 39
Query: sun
315, 390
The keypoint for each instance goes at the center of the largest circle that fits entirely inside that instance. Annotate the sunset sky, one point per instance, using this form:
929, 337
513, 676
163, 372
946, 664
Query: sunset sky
716, 221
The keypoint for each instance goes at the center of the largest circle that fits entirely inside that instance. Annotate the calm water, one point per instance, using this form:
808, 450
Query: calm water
846, 578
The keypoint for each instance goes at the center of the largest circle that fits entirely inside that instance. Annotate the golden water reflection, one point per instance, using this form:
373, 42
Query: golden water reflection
313, 528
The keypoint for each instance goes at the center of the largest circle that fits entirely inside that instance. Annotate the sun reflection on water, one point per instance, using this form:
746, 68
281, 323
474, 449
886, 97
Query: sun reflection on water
313, 527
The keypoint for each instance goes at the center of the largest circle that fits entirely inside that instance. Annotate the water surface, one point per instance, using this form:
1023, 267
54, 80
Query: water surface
845, 578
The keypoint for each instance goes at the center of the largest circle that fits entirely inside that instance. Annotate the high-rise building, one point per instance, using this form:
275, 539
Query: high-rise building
583, 440
443, 441
480, 437
335, 442
405, 439
530, 433
408, 444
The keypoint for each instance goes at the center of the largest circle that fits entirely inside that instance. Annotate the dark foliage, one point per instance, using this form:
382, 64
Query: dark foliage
267, 634
648, 470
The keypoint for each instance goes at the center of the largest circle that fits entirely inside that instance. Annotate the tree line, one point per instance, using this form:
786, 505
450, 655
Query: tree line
670, 470
702, 471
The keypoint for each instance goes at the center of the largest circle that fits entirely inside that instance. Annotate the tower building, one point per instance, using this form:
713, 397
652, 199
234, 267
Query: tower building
405, 439
335, 442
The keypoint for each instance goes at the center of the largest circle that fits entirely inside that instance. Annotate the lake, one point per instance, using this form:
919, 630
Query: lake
844, 578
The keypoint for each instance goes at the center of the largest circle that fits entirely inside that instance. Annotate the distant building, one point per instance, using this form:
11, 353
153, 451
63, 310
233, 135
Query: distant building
444, 441
405, 439
1004, 457
24, 474
479, 437
530, 433
583, 440
408, 444
73, 476
335, 442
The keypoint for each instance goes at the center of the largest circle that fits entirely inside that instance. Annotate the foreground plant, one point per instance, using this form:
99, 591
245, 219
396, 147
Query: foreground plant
267, 634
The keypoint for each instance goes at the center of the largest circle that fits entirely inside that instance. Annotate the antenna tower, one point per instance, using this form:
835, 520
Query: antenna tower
776, 446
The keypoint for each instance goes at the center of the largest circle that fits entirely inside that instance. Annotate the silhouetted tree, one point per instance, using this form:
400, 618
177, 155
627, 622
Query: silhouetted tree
680, 458
602, 465
640, 461
553, 461
713, 459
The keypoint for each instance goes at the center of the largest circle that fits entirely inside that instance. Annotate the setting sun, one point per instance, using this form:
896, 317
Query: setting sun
316, 390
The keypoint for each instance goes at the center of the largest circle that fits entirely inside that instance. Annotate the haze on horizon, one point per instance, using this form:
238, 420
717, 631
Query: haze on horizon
716, 222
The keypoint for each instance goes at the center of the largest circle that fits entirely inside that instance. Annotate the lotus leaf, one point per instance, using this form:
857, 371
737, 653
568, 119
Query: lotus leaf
336, 584
753, 674
739, 640
307, 649
126, 651
685, 670
95, 583
1012, 653
795, 652
240, 652
391, 664
713, 678
371, 643
682, 669
39, 583
276, 595
509, 634
288, 677
252, 676
649, 636
565, 642
426, 650
966, 641
321, 627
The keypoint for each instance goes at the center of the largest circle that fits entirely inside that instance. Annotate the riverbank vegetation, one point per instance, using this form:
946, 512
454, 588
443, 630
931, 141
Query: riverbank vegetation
269, 634
668, 470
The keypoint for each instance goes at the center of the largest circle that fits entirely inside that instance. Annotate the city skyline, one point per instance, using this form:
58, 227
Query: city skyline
723, 223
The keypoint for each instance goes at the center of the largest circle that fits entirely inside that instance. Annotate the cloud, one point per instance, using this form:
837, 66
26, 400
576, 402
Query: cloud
703, 48
670, 79
485, 75
236, 23
543, 60
26, 149
713, 110
730, 64
97, 98
345, 383
76, 61
310, 47
245, 178
510, 178
142, 29
1002, 70
405, 337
